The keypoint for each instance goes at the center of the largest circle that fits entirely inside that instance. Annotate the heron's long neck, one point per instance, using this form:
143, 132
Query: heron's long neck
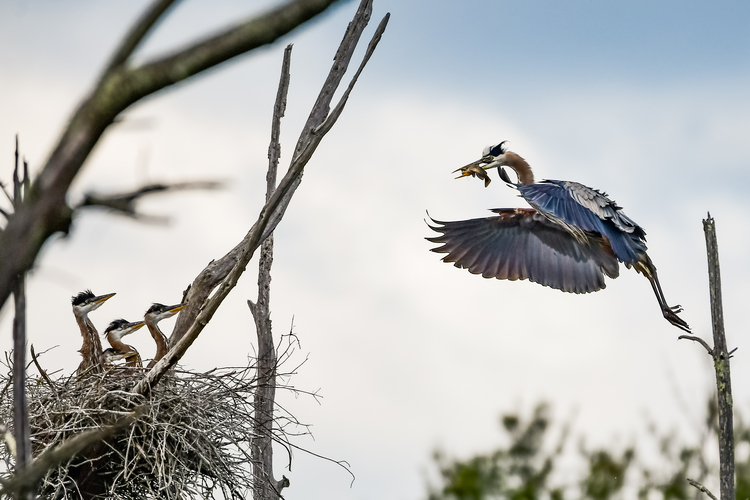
117, 344
159, 338
91, 350
522, 168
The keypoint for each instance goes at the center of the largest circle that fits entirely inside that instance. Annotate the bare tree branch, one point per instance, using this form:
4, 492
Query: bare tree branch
700, 341
137, 33
721, 364
721, 357
199, 312
701, 488
42, 371
217, 270
20, 408
46, 212
125, 202
265, 486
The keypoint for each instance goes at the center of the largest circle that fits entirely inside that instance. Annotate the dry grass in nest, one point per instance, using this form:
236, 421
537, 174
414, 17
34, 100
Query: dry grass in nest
192, 440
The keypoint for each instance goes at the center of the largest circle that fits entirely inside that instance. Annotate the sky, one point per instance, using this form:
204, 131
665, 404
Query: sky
647, 101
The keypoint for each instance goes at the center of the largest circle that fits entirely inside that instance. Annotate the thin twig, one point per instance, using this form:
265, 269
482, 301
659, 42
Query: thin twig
702, 488
42, 372
125, 202
700, 341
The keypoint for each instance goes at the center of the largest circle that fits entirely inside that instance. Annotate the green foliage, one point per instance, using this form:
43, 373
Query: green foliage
606, 474
523, 470
742, 463
519, 472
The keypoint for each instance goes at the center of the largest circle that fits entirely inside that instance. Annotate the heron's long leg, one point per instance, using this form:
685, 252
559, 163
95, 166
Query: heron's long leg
670, 313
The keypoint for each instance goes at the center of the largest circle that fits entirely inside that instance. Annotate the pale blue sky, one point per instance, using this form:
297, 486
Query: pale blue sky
647, 101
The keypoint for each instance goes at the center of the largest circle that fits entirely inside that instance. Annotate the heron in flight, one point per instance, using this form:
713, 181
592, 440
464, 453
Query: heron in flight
569, 240
91, 350
116, 330
156, 313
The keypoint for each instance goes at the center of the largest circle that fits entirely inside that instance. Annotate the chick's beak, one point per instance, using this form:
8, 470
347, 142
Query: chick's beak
102, 298
136, 325
176, 308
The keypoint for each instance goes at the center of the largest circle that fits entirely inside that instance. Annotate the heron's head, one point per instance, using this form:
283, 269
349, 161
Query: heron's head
110, 355
121, 327
86, 301
497, 156
158, 312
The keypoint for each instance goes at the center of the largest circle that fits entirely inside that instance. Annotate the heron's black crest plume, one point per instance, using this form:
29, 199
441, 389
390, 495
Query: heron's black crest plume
156, 307
497, 149
82, 297
117, 323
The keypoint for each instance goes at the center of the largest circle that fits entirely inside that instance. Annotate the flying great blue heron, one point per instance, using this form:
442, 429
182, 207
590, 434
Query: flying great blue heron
156, 313
91, 350
569, 240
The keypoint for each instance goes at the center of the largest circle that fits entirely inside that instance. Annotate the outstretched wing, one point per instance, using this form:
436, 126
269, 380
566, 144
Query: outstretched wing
590, 210
523, 244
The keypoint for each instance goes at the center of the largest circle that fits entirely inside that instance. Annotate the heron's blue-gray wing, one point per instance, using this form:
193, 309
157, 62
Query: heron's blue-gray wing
590, 210
523, 244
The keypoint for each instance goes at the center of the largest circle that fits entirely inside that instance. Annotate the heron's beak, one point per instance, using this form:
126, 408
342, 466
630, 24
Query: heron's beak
176, 308
136, 325
102, 298
475, 169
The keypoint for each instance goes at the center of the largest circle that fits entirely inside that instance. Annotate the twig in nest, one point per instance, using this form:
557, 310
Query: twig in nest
42, 372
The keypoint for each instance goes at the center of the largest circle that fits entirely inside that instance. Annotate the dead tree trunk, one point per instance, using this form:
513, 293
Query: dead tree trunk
720, 355
20, 408
265, 486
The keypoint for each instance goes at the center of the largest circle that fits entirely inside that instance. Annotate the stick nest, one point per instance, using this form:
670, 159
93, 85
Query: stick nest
192, 438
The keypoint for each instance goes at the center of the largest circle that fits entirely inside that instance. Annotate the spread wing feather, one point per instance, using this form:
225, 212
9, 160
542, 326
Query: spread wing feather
524, 244
590, 210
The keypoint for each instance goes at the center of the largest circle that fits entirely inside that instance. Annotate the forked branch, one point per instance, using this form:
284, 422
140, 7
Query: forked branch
46, 212
227, 271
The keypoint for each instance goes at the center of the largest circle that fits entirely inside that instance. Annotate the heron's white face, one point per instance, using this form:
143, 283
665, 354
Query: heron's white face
110, 355
494, 161
91, 304
126, 329
168, 313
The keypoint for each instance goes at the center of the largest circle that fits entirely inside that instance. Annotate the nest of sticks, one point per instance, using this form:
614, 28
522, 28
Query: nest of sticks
192, 437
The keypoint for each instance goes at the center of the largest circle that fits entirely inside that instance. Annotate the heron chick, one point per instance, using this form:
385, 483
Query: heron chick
116, 330
156, 313
91, 350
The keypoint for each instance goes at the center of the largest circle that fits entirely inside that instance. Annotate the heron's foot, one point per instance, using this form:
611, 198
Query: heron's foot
670, 314
474, 171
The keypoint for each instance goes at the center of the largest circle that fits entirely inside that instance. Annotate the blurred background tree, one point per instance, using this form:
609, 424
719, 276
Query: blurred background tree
525, 468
